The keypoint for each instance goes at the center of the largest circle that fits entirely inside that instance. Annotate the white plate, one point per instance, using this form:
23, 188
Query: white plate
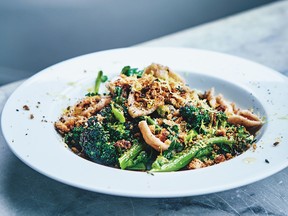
249, 84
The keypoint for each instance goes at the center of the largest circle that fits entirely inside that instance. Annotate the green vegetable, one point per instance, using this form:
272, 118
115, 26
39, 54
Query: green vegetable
196, 117
173, 149
113, 138
190, 135
163, 110
140, 162
175, 129
151, 121
221, 120
127, 159
117, 131
108, 115
117, 97
100, 78
104, 78
94, 141
244, 140
73, 136
182, 159
118, 113
128, 71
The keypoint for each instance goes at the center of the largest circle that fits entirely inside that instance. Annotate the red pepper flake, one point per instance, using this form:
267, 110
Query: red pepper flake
25, 107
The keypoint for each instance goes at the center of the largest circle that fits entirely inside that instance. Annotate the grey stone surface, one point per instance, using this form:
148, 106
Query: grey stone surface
37, 34
260, 35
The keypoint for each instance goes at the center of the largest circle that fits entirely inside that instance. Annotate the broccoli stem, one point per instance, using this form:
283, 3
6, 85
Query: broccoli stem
126, 160
98, 82
139, 166
152, 122
119, 114
183, 158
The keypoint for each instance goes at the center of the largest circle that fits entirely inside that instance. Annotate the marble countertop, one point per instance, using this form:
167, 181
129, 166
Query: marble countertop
260, 35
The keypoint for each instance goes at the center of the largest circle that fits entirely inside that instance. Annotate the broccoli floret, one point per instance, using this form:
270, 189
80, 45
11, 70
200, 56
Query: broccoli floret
190, 135
114, 113
242, 133
94, 141
243, 140
221, 120
195, 117
118, 96
117, 131
118, 91
175, 129
128, 71
109, 155
106, 112
72, 138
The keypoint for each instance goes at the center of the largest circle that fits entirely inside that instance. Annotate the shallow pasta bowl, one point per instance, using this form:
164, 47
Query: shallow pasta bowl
30, 112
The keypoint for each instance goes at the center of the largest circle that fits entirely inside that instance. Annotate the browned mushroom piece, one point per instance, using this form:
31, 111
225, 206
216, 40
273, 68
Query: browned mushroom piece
228, 108
136, 111
211, 98
150, 138
79, 114
122, 80
162, 72
90, 105
235, 116
239, 117
245, 118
